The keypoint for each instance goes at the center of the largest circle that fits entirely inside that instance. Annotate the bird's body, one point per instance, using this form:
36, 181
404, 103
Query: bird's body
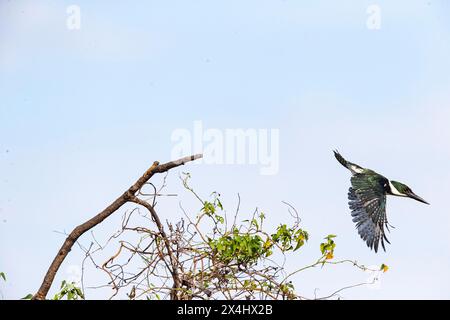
367, 197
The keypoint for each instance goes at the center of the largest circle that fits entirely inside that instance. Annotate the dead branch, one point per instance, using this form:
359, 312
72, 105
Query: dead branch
127, 196
173, 260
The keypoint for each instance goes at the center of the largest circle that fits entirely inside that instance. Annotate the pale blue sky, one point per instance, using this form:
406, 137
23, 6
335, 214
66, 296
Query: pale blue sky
83, 113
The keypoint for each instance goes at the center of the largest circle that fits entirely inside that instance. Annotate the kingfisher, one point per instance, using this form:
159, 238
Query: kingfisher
367, 197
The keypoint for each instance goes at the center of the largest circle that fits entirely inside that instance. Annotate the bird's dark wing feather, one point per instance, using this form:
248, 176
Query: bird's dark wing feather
368, 205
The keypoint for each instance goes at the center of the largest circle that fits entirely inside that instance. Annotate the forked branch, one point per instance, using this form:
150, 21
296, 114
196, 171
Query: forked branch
127, 196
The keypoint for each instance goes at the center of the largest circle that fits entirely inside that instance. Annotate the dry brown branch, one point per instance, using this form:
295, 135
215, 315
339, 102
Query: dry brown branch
113, 207
173, 260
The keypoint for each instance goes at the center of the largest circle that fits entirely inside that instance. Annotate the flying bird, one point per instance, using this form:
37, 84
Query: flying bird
367, 197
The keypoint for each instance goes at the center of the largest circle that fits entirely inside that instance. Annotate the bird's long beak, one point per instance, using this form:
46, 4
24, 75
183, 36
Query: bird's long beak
414, 196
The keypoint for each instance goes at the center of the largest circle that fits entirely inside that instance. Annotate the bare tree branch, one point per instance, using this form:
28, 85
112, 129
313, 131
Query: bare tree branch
173, 260
113, 207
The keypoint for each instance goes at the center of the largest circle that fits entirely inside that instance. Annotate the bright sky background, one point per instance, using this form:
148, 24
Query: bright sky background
84, 113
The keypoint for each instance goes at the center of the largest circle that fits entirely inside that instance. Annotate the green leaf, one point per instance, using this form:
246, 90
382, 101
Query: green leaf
220, 219
27, 297
299, 244
384, 268
2, 274
322, 248
219, 204
80, 293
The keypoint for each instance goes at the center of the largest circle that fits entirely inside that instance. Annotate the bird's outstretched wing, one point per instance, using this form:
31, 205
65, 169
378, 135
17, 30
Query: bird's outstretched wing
368, 205
353, 167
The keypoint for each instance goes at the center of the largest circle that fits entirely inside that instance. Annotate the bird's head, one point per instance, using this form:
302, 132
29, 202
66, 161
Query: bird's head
400, 189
